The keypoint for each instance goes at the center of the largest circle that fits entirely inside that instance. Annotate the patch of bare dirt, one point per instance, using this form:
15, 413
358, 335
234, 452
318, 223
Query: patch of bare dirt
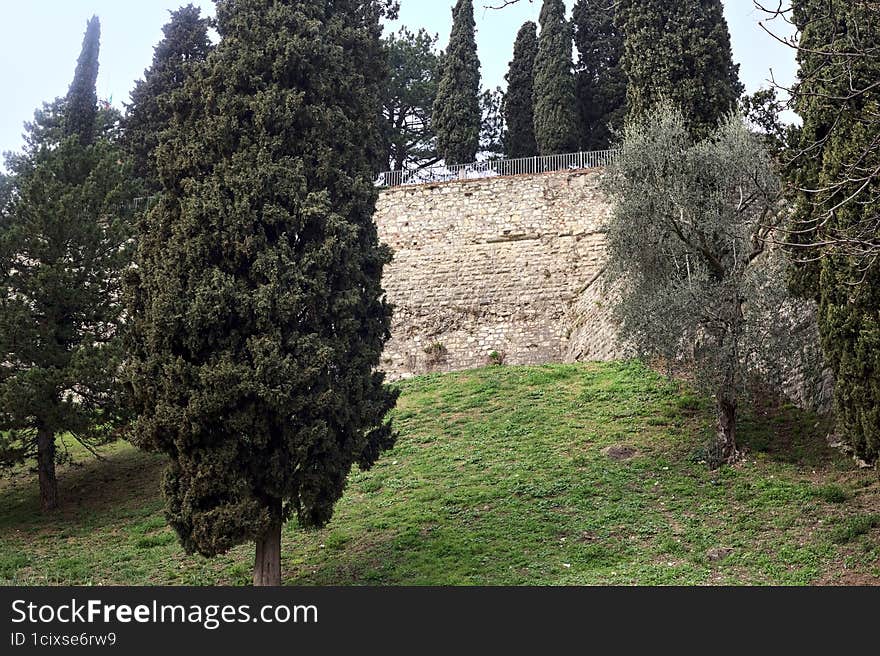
619, 452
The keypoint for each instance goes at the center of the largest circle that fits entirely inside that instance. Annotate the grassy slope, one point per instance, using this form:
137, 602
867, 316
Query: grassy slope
499, 478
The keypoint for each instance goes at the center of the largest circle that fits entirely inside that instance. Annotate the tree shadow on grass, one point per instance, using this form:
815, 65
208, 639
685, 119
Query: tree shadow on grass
92, 492
773, 426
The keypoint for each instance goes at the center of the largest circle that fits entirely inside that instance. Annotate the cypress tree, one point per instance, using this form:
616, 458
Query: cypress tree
184, 45
64, 247
836, 205
680, 51
556, 129
519, 108
600, 80
257, 307
82, 98
456, 115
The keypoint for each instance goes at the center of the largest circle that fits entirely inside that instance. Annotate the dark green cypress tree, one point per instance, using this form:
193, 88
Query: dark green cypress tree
456, 117
836, 215
63, 246
600, 80
257, 307
184, 45
556, 125
82, 98
680, 51
519, 107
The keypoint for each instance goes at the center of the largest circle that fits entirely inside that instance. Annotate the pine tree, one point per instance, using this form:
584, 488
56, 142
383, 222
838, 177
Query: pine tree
836, 223
185, 45
600, 80
409, 99
63, 246
519, 108
556, 126
680, 51
257, 307
456, 115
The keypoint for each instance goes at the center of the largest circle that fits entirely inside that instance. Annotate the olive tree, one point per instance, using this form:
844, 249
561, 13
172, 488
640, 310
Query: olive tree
689, 243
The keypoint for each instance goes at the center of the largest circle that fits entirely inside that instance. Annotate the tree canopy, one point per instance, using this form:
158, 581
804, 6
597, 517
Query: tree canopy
556, 125
64, 243
680, 51
257, 307
185, 44
456, 112
409, 99
834, 235
519, 103
601, 81
689, 250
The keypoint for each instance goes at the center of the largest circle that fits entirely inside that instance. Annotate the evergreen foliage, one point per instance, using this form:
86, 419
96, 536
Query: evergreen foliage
82, 98
63, 246
492, 132
688, 247
519, 104
456, 113
259, 316
184, 45
409, 99
556, 125
836, 224
600, 80
680, 51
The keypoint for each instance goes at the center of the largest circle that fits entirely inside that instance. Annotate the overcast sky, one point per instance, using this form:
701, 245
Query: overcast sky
40, 41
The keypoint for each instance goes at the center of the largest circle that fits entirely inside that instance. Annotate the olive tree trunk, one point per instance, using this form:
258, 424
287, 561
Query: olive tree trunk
726, 438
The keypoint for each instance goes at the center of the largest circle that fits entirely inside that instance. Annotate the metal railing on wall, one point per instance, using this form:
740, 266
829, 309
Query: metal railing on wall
492, 168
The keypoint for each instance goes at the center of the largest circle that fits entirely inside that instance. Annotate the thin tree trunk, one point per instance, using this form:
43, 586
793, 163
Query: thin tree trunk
267, 564
727, 430
46, 469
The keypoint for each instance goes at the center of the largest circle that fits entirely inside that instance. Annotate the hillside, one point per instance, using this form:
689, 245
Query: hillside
553, 475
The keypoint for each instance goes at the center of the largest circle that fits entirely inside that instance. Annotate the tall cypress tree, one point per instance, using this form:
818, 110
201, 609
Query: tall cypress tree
184, 45
519, 107
64, 247
556, 125
600, 80
836, 205
259, 316
456, 116
82, 97
680, 51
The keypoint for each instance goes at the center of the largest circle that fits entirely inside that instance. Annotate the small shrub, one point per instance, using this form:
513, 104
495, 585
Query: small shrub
831, 493
436, 352
497, 358
853, 527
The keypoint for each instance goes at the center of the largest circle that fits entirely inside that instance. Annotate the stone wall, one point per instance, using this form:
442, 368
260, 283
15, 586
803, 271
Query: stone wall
499, 267
508, 268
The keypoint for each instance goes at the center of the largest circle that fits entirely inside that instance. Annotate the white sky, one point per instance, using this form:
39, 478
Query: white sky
40, 41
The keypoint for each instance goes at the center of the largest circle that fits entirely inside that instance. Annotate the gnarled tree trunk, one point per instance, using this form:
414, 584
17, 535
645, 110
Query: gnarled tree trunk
726, 430
46, 469
267, 564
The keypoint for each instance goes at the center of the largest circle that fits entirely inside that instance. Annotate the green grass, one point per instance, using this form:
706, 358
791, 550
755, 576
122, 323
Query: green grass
499, 477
